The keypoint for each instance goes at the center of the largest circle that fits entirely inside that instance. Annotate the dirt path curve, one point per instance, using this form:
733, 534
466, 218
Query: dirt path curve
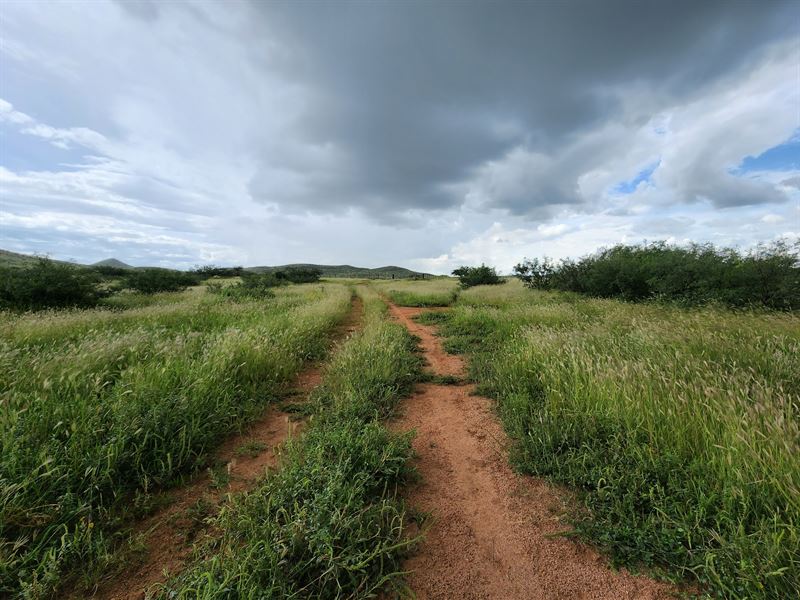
492, 534
168, 533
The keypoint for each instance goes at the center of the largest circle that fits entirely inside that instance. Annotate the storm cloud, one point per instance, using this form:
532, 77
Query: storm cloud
414, 98
432, 132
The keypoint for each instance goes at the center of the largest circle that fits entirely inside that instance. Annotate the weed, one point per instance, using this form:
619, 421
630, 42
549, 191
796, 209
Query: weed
251, 448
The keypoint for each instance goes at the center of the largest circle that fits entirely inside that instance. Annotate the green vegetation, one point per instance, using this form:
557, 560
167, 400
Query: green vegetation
99, 408
441, 291
251, 286
208, 271
328, 523
678, 428
472, 276
697, 274
300, 274
47, 284
151, 281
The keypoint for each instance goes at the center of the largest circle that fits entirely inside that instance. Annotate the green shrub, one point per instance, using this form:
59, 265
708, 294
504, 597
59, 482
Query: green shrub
696, 274
151, 281
252, 287
299, 275
206, 271
483, 275
48, 284
109, 271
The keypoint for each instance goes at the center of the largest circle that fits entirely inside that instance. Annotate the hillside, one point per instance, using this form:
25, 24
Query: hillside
112, 262
16, 260
348, 271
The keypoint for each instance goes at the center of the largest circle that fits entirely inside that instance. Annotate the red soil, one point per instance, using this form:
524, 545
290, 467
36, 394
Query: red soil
169, 533
494, 533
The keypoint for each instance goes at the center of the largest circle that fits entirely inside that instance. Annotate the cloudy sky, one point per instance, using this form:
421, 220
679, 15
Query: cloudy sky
425, 134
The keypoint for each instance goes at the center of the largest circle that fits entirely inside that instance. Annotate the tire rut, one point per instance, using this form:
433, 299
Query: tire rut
168, 534
494, 533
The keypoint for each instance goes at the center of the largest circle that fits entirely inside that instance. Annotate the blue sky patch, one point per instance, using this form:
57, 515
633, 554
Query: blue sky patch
783, 157
628, 187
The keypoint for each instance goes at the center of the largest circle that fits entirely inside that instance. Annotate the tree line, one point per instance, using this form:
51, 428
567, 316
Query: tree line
768, 276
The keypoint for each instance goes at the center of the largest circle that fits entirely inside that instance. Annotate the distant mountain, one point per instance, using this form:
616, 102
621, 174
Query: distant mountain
348, 271
13, 259
112, 262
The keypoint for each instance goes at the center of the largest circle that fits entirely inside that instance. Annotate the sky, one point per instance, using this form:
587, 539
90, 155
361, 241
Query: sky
422, 134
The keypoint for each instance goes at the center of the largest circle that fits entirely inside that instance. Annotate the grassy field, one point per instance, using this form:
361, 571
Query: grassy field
434, 292
679, 428
101, 407
328, 523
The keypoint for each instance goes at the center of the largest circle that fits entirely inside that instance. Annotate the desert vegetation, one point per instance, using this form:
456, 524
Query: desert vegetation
472, 276
677, 427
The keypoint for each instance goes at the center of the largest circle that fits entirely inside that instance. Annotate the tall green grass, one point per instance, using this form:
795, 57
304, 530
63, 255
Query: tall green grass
327, 523
435, 292
679, 428
100, 407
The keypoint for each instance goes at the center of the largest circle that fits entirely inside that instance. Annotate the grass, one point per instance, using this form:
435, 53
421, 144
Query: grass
679, 428
442, 291
101, 407
328, 523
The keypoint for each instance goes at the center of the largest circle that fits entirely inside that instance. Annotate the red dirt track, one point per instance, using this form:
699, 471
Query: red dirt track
493, 532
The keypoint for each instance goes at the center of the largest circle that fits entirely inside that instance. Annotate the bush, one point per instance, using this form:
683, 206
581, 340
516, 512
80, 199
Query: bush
206, 271
48, 284
151, 281
696, 274
483, 275
299, 275
252, 286
108, 271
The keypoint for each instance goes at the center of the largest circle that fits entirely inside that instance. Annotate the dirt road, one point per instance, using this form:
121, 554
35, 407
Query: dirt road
167, 535
494, 533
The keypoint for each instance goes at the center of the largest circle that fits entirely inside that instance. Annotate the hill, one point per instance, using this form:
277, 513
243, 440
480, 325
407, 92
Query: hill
112, 262
16, 260
348, 271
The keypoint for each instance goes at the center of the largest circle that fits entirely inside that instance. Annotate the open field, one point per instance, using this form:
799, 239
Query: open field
673, 433
101, 407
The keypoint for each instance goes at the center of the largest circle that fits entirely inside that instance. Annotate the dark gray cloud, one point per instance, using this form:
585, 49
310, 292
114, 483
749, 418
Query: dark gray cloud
416, 96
